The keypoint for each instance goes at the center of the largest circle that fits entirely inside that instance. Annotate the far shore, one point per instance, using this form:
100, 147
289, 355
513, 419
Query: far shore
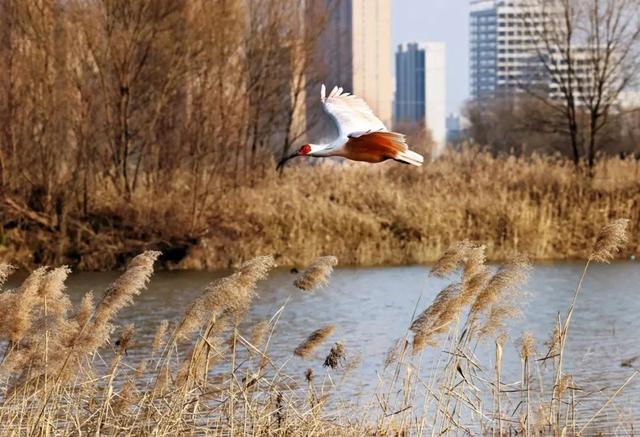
380, 215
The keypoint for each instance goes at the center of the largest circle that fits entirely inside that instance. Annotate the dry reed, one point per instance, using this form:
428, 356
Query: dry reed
125, 340
231, 295
611, 239
317, 274
85, 310
259, 332
527, 346
119, 295
506, 280
336, 356
436, 317
159, 336
315, 339
534, 205
452, 258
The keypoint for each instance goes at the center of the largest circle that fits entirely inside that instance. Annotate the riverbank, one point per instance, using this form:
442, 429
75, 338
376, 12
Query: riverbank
366, 215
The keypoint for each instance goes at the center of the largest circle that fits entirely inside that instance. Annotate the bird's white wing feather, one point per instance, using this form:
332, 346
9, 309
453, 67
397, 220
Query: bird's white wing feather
351, 114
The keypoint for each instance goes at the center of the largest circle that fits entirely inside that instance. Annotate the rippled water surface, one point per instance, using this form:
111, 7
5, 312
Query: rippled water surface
372, 307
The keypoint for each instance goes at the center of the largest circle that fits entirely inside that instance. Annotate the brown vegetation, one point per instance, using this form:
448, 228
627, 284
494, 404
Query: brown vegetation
57, 378
317, 274
365, 215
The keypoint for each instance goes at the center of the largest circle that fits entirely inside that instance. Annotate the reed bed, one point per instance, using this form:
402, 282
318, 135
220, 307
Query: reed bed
65, 370
364, 215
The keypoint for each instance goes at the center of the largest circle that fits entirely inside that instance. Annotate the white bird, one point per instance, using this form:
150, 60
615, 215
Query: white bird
361, 135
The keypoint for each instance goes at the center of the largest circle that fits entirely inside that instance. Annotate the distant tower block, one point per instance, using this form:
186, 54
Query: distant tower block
354, 51
420, 89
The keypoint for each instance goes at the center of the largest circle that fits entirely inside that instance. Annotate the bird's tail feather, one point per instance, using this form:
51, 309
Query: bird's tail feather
410, 157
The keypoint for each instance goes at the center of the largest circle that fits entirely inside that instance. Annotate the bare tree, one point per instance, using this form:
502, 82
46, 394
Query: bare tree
134, 73
133, 99
304, 36
516, 126
587, 52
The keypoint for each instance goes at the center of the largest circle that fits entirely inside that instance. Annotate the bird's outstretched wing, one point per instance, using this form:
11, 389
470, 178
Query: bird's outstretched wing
351, 114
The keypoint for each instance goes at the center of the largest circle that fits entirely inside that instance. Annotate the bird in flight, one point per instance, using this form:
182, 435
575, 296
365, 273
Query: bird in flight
361, 135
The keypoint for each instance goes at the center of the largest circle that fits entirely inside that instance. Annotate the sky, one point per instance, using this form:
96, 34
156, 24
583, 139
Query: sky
442, 21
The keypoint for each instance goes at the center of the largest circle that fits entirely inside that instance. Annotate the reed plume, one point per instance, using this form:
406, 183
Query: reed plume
315, 339
17, 307
611, 239
46, 330
125, 400
125, 340
336, 355
159, 336
451, 259
555, 342
506, 280
450, 302
206, 352
317, 274
499, 313
85, 310
474, 260
53, 307
436, 318
231, 295
475, 274
308, 375
565, 383
119, 295
527, 346
395, 351
53, 286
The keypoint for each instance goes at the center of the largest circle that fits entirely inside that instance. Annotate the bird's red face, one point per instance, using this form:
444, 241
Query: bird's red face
304, 150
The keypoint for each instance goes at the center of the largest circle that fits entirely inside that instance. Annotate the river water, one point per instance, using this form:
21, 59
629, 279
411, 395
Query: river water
372, 307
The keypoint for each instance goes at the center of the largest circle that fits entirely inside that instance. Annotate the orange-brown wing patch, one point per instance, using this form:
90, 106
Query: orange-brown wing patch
375, 147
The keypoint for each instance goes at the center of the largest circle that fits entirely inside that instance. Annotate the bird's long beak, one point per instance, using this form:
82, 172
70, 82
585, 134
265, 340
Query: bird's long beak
285, 159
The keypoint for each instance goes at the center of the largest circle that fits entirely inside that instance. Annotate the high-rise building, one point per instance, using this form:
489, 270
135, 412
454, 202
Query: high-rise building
420, 89
503, 47
354, 50
508, 56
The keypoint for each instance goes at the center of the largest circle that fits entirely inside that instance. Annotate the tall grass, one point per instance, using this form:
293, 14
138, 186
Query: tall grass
362, 214
62, 373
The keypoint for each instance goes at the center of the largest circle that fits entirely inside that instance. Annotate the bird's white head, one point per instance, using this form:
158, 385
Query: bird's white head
312, 149
306, 150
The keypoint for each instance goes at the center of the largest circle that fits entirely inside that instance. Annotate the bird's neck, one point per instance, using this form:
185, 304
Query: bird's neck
328, 149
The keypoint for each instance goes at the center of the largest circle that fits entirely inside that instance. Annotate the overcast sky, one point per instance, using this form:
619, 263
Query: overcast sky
438, 20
